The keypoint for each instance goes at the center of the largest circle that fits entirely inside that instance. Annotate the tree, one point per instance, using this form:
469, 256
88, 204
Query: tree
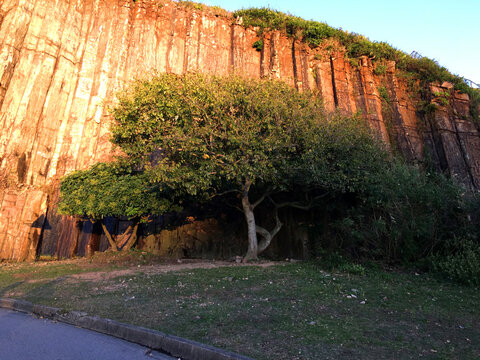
116, 190
204, 136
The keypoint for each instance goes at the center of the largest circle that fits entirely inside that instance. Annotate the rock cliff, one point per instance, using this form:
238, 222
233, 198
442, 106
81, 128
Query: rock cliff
61, 62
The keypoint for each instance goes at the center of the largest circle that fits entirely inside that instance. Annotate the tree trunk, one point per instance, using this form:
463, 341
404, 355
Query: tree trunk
254, 246
122, 242
133, 238
122, 239
112, 242
252, 252
267, 236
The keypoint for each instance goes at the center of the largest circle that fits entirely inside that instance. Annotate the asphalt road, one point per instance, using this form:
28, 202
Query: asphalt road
26, 337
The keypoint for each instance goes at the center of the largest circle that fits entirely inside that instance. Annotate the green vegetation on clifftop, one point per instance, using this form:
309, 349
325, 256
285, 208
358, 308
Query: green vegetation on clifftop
313, 33
355, 45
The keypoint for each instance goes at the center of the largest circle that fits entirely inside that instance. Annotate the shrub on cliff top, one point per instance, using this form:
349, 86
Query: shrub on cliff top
314, 32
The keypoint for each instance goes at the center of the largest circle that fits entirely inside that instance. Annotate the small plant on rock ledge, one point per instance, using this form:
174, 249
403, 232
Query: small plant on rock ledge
380, 69
383, 93
258, 45
354, 62
442, 97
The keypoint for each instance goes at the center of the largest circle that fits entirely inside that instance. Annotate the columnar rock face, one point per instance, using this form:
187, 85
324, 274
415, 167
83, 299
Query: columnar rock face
61, 63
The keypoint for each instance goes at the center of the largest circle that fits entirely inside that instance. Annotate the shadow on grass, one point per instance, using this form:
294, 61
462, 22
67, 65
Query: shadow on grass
5, 290
35, 292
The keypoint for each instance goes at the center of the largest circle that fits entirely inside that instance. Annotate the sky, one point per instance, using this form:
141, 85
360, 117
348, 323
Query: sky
447, 31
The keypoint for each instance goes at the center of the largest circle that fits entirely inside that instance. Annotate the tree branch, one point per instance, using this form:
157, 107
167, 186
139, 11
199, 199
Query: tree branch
227, 192
125, 237
259, 201
113, 245
267, 194
133, 238
267, 236
246, 187
298, 204
235, 207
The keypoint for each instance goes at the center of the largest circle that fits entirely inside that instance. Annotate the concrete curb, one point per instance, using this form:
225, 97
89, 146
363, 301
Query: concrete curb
155, 340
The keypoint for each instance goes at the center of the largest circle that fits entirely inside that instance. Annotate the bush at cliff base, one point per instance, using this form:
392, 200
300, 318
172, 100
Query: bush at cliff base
404, 214
113, 189
412, 217
459, 261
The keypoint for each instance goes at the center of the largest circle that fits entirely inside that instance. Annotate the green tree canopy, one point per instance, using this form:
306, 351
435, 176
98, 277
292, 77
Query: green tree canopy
113, 190
204, 136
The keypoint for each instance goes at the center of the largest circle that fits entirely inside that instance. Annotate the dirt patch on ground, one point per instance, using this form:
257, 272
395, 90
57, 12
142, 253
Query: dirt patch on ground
108, 265
162, 268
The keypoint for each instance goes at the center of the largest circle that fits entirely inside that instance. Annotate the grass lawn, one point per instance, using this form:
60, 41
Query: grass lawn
270, 311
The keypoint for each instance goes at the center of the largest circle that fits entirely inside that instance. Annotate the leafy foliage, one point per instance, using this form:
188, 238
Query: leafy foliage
217, 131
313, 33
203, 136
193, 137
215, 10
111, 190
461, 264
405, 215
258, 45
380, 69
383, 92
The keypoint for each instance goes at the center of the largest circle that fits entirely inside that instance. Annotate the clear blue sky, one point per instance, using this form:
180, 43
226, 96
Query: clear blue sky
445, 30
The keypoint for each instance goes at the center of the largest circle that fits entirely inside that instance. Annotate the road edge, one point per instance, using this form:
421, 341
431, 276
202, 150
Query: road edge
172, 345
